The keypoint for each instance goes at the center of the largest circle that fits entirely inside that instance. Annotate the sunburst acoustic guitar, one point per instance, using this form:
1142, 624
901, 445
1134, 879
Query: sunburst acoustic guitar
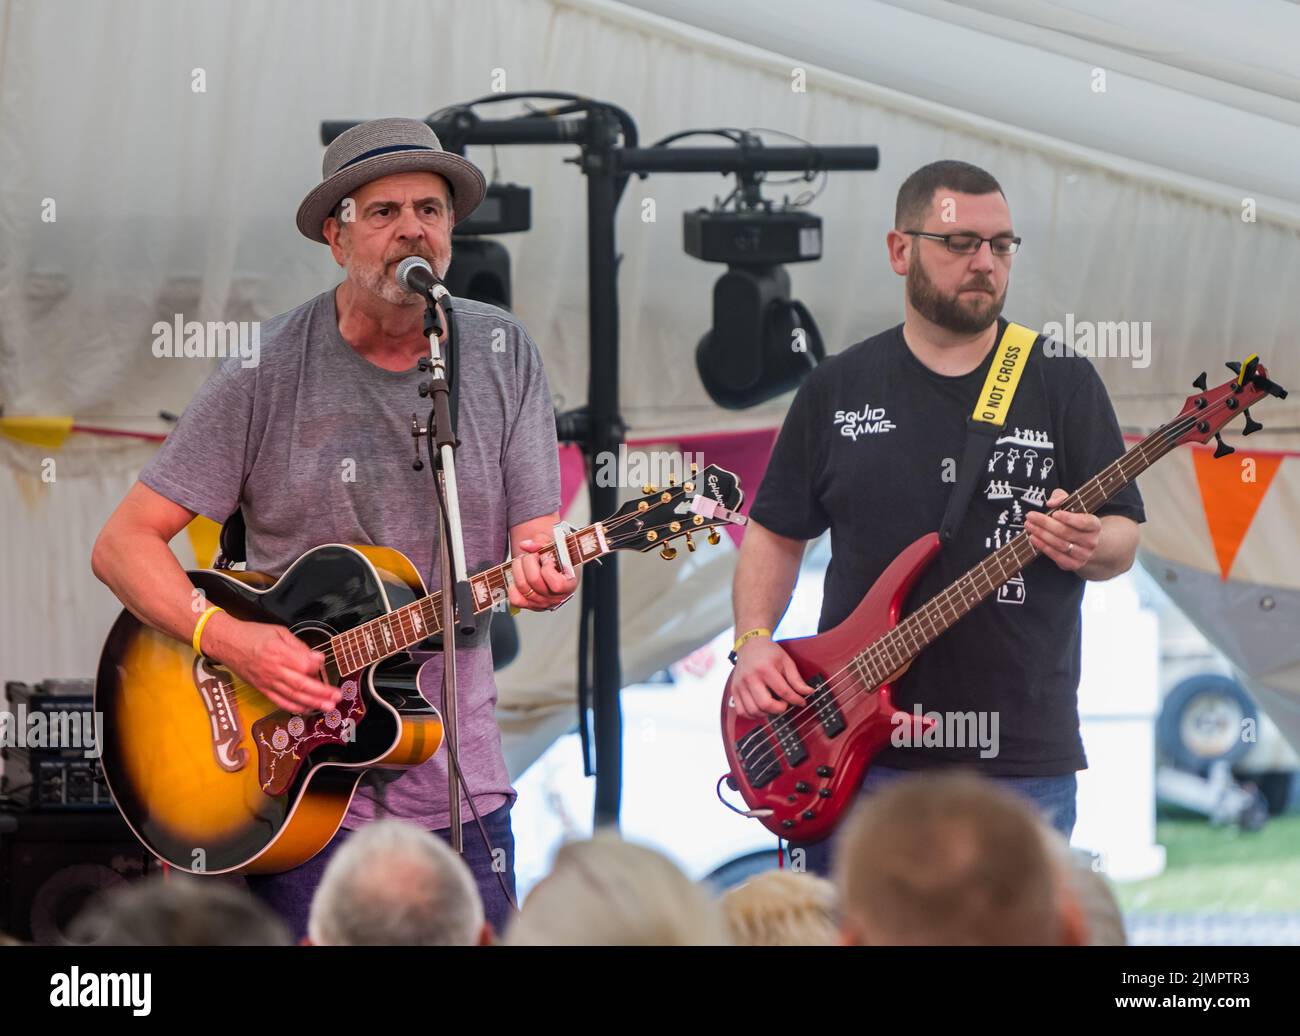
213, 777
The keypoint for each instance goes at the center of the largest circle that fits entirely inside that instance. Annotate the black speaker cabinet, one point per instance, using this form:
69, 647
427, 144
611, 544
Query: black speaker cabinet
51, 864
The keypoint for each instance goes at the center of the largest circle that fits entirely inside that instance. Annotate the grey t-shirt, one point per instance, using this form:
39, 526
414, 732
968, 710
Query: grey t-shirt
314, 444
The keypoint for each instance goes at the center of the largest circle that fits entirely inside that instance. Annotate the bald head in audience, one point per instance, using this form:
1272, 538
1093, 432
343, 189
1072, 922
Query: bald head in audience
394, 884
950, 860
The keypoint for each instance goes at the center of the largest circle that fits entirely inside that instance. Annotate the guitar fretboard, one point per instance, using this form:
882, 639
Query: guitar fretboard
405, 627
920, 628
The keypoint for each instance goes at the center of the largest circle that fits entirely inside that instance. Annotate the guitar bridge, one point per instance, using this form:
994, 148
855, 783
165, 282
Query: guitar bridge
213, 685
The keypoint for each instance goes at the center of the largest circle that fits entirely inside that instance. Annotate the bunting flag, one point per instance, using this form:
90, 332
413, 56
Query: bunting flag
205, 538
49, 432
1230, 498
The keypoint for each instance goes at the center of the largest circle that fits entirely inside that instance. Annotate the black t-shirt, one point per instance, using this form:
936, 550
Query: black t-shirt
869, 448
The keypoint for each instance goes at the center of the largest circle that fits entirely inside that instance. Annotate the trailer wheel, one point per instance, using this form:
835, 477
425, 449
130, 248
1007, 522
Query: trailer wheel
1201, 722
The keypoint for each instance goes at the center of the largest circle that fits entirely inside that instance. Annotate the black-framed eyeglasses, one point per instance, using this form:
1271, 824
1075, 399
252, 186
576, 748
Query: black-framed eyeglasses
969, 244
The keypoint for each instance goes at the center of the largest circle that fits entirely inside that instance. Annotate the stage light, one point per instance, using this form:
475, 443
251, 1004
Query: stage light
480, 269
763, 343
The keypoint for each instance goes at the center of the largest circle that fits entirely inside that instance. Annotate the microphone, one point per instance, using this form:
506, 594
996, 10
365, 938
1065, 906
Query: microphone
416, 275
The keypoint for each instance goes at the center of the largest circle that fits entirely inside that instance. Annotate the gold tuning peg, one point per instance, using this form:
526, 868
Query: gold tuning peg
690, 543
694, 468
668, 553
672, 480
647, 489
714, 538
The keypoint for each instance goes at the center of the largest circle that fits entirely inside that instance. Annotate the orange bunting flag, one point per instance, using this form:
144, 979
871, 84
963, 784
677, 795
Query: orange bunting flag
1231, 496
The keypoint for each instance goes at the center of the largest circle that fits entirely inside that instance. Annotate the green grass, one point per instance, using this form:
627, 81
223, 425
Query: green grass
1220, 869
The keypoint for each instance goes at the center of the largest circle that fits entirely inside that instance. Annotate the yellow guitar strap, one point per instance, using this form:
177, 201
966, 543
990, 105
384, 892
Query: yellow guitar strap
994, 402
990, 412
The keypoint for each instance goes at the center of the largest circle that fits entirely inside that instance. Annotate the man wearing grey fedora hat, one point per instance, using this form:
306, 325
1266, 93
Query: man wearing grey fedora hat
313, 445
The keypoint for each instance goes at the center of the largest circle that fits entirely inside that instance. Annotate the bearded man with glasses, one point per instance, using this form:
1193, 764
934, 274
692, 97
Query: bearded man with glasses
869, 450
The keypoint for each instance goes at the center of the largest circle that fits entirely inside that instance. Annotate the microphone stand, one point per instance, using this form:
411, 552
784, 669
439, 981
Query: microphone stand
452, 571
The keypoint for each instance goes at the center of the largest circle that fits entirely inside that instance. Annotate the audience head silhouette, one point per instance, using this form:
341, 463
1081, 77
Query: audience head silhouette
608, 892
949, 860
394, 884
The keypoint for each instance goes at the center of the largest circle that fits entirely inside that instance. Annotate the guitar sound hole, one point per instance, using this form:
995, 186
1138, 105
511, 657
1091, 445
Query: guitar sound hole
317, 638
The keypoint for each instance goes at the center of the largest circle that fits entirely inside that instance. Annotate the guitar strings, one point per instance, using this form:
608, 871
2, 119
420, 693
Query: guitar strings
506, 571
244, 692
434, 599
766, 751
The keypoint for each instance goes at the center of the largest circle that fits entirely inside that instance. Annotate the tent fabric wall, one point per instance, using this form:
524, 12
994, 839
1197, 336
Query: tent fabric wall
170, 201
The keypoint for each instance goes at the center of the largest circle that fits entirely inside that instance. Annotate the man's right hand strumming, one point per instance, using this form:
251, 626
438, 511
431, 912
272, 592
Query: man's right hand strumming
272, 660
766, 679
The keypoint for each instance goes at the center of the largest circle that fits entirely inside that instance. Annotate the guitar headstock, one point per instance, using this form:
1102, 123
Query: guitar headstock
1206, 413
706, 500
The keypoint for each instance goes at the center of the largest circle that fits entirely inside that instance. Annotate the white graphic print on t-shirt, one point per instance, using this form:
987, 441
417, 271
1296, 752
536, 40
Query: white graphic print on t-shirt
1021, 458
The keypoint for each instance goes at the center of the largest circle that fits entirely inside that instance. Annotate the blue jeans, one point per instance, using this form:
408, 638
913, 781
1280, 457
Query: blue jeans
1054, 796
290, 892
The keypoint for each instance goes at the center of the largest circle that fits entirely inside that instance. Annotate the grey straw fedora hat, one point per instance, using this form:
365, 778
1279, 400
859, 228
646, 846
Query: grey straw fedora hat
382, 147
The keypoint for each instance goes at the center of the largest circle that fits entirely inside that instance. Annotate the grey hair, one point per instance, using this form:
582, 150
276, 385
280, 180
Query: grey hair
608, 892
394, 884
180, 911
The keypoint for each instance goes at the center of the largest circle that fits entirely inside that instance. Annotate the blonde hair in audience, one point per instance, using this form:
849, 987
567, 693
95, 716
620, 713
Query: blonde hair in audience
782, 908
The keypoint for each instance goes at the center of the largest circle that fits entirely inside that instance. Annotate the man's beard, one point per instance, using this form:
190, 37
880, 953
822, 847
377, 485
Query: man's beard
949, 311
379, 279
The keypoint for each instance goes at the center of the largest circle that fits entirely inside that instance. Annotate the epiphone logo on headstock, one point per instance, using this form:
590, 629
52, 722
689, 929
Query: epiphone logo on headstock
716, 490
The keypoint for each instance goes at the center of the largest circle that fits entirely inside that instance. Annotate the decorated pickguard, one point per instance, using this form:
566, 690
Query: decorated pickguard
284, 739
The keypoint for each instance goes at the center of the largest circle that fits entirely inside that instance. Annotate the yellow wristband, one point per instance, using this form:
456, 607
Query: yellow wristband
198, 630
750, 636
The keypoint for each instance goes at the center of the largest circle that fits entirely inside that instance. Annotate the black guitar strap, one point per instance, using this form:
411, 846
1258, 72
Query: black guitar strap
986, 421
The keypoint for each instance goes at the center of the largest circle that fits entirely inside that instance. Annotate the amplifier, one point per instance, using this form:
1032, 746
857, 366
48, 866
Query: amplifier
45, 780
48, 733
51, 695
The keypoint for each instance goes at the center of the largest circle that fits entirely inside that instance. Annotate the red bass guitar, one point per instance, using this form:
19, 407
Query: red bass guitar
799, 770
